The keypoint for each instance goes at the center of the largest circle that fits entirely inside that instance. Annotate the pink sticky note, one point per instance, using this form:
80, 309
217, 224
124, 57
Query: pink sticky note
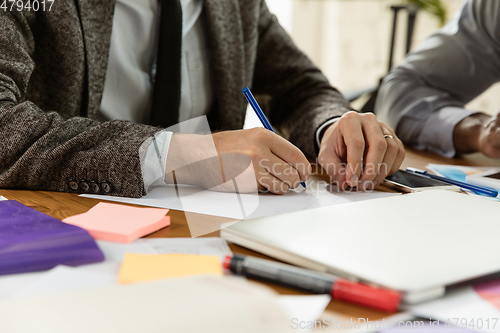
119, 223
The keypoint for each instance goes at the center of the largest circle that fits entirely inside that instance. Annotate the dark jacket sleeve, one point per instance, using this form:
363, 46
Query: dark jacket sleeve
41, 149
300, 99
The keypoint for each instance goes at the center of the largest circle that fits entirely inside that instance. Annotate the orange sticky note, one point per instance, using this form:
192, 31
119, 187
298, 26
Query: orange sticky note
147, 267
119, 223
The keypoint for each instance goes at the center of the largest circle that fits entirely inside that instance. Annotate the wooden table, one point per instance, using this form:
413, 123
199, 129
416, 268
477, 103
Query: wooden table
62, 205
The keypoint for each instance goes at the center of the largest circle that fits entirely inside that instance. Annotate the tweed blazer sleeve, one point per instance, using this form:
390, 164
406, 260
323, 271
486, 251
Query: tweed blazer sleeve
300, 98
50, 149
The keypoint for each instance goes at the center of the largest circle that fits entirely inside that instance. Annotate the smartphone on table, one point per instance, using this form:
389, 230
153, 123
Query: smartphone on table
409, 182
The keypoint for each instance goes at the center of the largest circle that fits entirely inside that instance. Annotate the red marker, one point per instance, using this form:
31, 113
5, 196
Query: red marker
313, 282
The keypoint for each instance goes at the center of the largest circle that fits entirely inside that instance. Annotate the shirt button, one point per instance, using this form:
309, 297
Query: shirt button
94, 187
106, 187
84, 186
73, 185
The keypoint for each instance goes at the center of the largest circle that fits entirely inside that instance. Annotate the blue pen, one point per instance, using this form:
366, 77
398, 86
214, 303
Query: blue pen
260, 114
477, 189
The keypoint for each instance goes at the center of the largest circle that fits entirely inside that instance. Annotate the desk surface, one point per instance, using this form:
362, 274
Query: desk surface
62, 205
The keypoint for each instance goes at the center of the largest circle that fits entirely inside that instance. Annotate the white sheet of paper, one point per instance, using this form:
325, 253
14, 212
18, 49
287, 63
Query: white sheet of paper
211, 246
3, 198
300, 309
12, 284
64, 278
115, 252
204, 303
60, 278
464, 304
229, 205
303, 309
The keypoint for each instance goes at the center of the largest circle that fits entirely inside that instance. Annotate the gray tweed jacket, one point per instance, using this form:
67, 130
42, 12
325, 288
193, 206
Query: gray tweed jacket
52, 72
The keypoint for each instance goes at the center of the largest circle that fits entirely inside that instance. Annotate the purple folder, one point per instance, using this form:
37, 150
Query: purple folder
32, 241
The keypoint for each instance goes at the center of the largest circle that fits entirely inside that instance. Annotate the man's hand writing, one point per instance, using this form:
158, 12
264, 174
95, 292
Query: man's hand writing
278, 165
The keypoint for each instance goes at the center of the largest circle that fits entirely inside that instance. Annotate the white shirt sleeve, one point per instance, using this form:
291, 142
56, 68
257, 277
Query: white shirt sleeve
154, 159
320, 130
436, 132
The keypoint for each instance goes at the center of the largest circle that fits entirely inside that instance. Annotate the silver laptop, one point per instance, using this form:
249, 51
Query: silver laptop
415, 243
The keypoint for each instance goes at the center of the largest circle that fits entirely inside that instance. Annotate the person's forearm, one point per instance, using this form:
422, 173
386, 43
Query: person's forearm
467, 133
44, 151
193, 160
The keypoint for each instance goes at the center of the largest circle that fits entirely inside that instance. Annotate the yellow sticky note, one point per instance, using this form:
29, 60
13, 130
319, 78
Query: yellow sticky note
147, 267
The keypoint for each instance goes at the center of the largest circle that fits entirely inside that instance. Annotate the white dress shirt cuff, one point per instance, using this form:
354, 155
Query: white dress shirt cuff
319, 131
154, 159
437, 133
